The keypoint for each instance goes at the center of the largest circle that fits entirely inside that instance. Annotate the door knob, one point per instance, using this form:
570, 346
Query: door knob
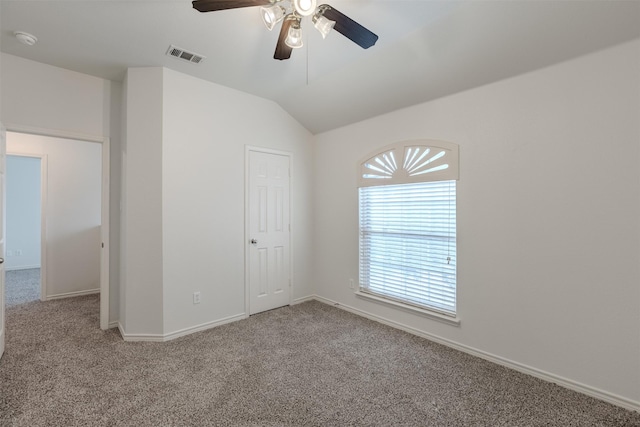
1, 260
254, 242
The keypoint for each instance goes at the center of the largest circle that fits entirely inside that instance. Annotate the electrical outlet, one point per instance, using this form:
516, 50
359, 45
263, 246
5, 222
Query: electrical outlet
18, 252
351, 284
196, 297
9, 253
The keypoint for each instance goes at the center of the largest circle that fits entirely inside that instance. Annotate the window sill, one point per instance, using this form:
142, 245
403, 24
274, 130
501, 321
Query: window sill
411, 309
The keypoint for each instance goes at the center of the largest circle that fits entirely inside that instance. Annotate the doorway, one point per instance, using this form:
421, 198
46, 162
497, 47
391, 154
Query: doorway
268, 230
81, 226
25, 226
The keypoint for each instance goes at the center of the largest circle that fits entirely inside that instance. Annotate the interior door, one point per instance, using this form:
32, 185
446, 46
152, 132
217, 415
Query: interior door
3, 156
269, 231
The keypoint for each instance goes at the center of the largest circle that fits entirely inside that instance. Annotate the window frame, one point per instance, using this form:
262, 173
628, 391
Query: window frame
409, 162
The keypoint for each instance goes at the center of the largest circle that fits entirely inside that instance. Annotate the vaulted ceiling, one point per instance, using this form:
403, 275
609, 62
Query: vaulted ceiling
426, 49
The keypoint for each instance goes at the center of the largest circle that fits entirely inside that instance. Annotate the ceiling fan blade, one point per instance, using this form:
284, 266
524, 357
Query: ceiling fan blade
350, 28
213, 5
282, 50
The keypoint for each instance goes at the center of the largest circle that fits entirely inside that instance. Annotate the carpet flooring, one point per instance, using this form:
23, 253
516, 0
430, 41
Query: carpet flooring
306, 365
22, 286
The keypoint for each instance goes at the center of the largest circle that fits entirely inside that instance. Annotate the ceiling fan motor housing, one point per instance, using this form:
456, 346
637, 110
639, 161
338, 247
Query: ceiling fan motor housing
304, 7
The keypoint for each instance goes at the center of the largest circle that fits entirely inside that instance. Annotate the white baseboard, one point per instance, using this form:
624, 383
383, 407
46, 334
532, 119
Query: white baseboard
303, 299
534, 372
113, 324
191, 330
72, 294
22, 267
139, 337
179, 333
2, 338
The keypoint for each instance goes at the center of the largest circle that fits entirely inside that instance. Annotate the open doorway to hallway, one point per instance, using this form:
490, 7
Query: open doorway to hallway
54, 230
24, 218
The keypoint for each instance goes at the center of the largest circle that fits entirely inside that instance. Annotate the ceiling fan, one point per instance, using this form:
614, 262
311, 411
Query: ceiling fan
290, 12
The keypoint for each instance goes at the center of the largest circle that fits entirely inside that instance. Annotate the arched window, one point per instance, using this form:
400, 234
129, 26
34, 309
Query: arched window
407, 208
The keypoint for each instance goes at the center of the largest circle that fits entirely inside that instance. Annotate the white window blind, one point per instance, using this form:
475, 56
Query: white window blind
408, 243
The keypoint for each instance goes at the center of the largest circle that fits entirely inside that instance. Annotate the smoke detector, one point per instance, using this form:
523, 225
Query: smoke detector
25, 38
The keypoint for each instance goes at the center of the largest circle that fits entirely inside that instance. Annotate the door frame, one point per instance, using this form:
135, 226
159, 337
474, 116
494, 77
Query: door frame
104, 228
247, 229
43, 216
3, 323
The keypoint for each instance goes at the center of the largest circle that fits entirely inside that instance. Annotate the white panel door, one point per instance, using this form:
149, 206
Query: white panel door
269, 251
3, 157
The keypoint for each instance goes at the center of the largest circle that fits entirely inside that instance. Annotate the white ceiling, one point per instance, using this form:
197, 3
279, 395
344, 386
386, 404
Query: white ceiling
427, 49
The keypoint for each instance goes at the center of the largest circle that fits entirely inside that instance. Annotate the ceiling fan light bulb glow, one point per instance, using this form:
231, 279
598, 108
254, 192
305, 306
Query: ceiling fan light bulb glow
304, 7
271, 15
294, 37
323, 25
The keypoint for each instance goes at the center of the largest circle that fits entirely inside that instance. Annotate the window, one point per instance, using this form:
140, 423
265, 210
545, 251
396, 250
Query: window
407, 205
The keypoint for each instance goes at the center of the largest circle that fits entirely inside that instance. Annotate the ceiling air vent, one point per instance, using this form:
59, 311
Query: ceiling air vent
185, 55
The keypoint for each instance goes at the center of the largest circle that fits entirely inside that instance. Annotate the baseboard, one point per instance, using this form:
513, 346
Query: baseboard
193, 329
203, 326
303, 299
22, 267
534, 372
180, 333
113, 324
2, 338
72, 294
139, 337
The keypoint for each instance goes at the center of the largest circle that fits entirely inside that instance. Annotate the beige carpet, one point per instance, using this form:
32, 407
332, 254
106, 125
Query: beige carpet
22, 286
307, 365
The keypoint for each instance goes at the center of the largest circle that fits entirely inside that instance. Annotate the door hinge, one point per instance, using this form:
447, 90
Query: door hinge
103, 244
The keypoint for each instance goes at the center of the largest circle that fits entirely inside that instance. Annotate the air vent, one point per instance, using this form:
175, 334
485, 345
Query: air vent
185, 55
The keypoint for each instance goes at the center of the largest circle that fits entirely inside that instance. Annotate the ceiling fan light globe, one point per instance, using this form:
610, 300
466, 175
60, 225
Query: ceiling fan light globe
304, 7
271, 15
294, 37
323, 25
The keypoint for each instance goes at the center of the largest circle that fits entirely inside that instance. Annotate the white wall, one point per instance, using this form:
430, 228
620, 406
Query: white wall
115, 104
42, 96
548, 218
23, 215
196, 242
73, 203
39, 96
122, 208
206, 129
141, 242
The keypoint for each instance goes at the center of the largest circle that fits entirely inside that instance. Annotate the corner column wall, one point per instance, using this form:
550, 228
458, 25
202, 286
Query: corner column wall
142, 281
